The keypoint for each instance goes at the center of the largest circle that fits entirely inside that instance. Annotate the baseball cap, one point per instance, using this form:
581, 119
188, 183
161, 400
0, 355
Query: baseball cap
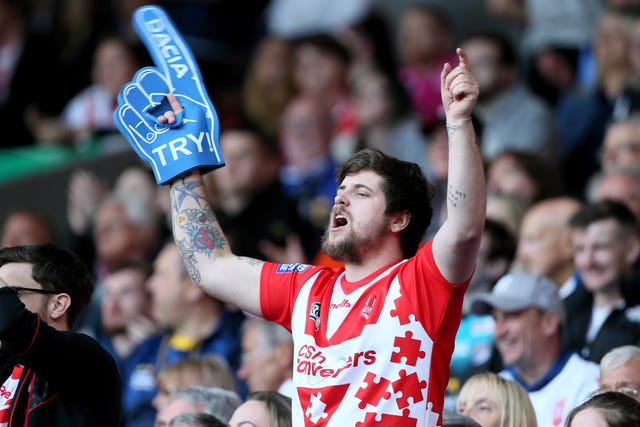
517, 291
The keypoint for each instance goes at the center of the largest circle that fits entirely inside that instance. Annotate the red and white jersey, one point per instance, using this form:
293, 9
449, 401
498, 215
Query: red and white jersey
373, 352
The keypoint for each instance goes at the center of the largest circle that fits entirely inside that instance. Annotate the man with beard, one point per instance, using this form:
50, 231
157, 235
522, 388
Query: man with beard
378, 333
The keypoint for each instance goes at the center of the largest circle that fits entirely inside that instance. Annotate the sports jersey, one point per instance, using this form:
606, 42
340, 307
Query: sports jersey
371, 352
567, 385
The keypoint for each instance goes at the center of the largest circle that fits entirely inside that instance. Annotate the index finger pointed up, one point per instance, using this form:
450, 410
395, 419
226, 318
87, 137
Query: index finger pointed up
463, 59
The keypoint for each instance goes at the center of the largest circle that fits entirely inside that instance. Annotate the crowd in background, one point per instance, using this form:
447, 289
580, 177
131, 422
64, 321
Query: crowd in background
298, 91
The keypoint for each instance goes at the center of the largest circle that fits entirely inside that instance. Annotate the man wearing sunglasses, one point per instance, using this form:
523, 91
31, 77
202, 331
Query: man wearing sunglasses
50, 376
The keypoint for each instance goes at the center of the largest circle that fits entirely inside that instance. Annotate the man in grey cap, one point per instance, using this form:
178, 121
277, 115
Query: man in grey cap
529, 314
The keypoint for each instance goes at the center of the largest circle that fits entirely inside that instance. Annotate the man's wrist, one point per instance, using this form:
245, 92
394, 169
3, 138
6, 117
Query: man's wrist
455, 124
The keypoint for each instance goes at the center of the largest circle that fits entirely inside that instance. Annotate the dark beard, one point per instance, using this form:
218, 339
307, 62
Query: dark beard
344, 251
353, 249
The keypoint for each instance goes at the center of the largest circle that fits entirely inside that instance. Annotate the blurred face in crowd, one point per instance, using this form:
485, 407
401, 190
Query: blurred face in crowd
317, 73
305, 133
248, 165
475, 403
484, 60
505, 176
603, 253
173, 409
518, 335
23, 228
372, 100
621, 145
251, 413
611, 42
261, 365
168, 286
114, 65
113, 232
624, 377
421, 38
125, 297
544, 244
621, 187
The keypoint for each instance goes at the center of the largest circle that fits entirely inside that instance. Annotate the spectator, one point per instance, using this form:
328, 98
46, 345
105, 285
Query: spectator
529, 317
46, 369
23, 84
494, 401
505, 105
583, 114
507, 209
544, 244
249, 200
607, 409
89, 113
125, 311
386, 119
620, 371
25, 226
194, 325
308, 171
601, 311
321, 68
194, 419
621, 144
263, 408
205, 371
214, 401
267, 357
621, 184
523, 175
269, 84
424, 42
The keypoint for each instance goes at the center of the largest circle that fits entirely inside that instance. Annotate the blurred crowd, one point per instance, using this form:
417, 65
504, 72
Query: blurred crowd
298, 89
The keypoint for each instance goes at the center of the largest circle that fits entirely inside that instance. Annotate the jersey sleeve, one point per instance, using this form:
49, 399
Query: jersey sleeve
279, 287
438, 300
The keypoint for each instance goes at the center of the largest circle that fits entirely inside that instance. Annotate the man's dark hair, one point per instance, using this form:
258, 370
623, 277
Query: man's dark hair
602, 210
55, 269
405, 188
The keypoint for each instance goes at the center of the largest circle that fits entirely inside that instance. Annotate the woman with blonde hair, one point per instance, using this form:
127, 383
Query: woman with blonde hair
493, 401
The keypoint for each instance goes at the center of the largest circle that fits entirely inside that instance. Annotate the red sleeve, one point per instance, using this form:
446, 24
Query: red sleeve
279, 287
439, 301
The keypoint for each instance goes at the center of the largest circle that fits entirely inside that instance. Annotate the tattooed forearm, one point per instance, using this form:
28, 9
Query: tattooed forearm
454, 196
251, 261
179, 192
189, 260
202, 229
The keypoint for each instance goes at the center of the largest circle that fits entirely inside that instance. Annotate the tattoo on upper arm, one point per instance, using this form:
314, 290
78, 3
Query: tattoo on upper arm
454, 196
251, 261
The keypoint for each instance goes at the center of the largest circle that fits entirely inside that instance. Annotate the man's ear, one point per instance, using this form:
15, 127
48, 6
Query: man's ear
58, 306
399, 221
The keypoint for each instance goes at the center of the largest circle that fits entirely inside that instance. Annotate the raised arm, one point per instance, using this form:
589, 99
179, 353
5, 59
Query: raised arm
456, 243
205, 250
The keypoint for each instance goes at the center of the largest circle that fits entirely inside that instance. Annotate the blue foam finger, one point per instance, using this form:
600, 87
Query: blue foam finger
190, 143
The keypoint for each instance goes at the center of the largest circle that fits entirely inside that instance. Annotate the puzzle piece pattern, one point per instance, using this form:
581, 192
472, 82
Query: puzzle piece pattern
373, 391
411, 387
409, 349
402, 310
